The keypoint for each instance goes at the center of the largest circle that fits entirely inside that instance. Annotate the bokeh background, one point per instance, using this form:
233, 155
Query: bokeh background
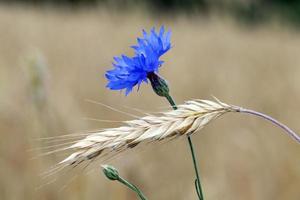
53, 56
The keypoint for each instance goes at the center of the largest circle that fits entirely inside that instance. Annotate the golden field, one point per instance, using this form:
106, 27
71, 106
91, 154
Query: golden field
53, 60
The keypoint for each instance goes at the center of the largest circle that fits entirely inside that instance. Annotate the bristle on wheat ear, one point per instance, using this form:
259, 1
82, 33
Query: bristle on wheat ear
188, 118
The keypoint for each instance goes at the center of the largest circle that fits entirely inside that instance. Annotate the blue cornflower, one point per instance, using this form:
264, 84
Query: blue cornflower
157, 43
131, 71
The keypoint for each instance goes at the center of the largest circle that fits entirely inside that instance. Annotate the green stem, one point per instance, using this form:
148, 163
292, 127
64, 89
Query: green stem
172, 102
197, 181
133, 188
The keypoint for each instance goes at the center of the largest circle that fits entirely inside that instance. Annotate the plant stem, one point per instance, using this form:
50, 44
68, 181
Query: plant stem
197, 181
133, 188
272, 120
172, 102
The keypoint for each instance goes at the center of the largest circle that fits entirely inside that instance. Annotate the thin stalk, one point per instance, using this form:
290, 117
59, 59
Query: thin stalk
133, 188
172, 102
290, 132
197, 181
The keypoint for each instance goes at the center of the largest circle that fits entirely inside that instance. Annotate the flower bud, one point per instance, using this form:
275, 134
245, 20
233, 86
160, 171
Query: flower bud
158, 84
110, 172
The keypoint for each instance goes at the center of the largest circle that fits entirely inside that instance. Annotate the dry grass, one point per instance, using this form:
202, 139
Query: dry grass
255, 67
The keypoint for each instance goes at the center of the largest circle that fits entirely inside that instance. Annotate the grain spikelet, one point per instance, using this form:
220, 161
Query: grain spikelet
188, 118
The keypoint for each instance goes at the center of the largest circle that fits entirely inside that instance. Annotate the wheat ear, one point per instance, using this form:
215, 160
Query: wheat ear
187, 119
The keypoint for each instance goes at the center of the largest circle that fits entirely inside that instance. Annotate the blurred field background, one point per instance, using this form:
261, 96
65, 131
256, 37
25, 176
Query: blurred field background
53, 58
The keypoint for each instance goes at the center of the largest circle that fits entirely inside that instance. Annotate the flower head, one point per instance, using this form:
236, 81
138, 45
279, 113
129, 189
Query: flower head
110, 172
131, 71
158, 43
